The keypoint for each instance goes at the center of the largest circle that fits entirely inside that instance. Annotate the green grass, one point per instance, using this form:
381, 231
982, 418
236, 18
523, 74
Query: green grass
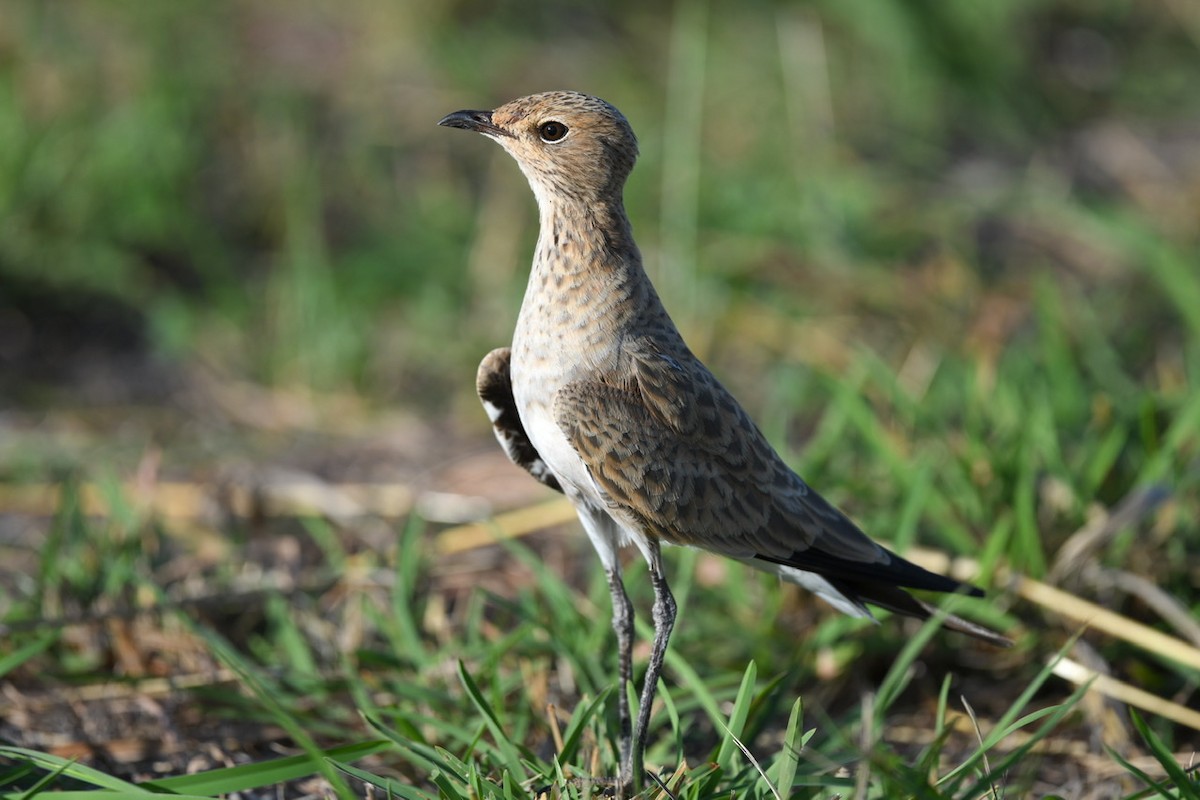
458, 713
945, 254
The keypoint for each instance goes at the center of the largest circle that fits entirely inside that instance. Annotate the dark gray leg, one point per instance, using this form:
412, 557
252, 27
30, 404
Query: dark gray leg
623, 625
664, 621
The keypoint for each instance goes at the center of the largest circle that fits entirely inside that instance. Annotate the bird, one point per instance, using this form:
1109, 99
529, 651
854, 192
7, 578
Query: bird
600, 398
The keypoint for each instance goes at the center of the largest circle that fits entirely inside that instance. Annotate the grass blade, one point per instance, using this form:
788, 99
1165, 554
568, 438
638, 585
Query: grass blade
789, 757
245, 777
737, 718
579, 722
508, 751
1186, 784
16, 658
390, 787
71, 769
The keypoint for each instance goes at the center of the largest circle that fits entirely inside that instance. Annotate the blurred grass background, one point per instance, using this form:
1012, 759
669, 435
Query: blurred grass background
259, 185
947, 253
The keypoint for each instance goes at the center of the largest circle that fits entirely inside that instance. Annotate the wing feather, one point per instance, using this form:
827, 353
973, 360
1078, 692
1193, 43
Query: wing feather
678, 458
675, 450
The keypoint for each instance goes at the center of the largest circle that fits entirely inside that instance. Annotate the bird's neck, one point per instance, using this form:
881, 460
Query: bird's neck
587, 288
586, 248
586, 235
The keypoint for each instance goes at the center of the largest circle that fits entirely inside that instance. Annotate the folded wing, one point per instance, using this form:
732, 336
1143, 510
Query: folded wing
675, 455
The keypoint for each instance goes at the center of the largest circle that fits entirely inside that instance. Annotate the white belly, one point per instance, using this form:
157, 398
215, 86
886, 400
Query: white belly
552, 445
538, 370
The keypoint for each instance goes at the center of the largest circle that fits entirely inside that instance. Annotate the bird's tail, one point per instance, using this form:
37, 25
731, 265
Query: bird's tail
895, 599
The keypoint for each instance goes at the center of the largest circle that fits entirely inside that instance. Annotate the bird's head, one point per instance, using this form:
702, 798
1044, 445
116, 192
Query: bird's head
570, 146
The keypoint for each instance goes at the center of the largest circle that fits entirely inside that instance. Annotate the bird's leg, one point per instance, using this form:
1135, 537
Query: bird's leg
623, 625
664, 621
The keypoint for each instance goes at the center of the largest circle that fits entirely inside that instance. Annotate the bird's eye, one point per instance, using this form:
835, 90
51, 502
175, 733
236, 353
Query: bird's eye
552, 131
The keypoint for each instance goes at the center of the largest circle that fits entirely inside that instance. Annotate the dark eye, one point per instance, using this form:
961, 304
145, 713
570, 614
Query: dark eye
552, 131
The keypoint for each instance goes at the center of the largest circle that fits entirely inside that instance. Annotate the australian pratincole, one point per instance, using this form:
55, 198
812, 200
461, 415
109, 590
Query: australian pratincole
600, 398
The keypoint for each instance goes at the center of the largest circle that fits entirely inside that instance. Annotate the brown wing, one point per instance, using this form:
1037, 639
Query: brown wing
675, 452
676, 456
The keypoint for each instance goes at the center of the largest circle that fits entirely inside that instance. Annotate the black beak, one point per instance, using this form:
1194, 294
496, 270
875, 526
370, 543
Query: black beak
479, 121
